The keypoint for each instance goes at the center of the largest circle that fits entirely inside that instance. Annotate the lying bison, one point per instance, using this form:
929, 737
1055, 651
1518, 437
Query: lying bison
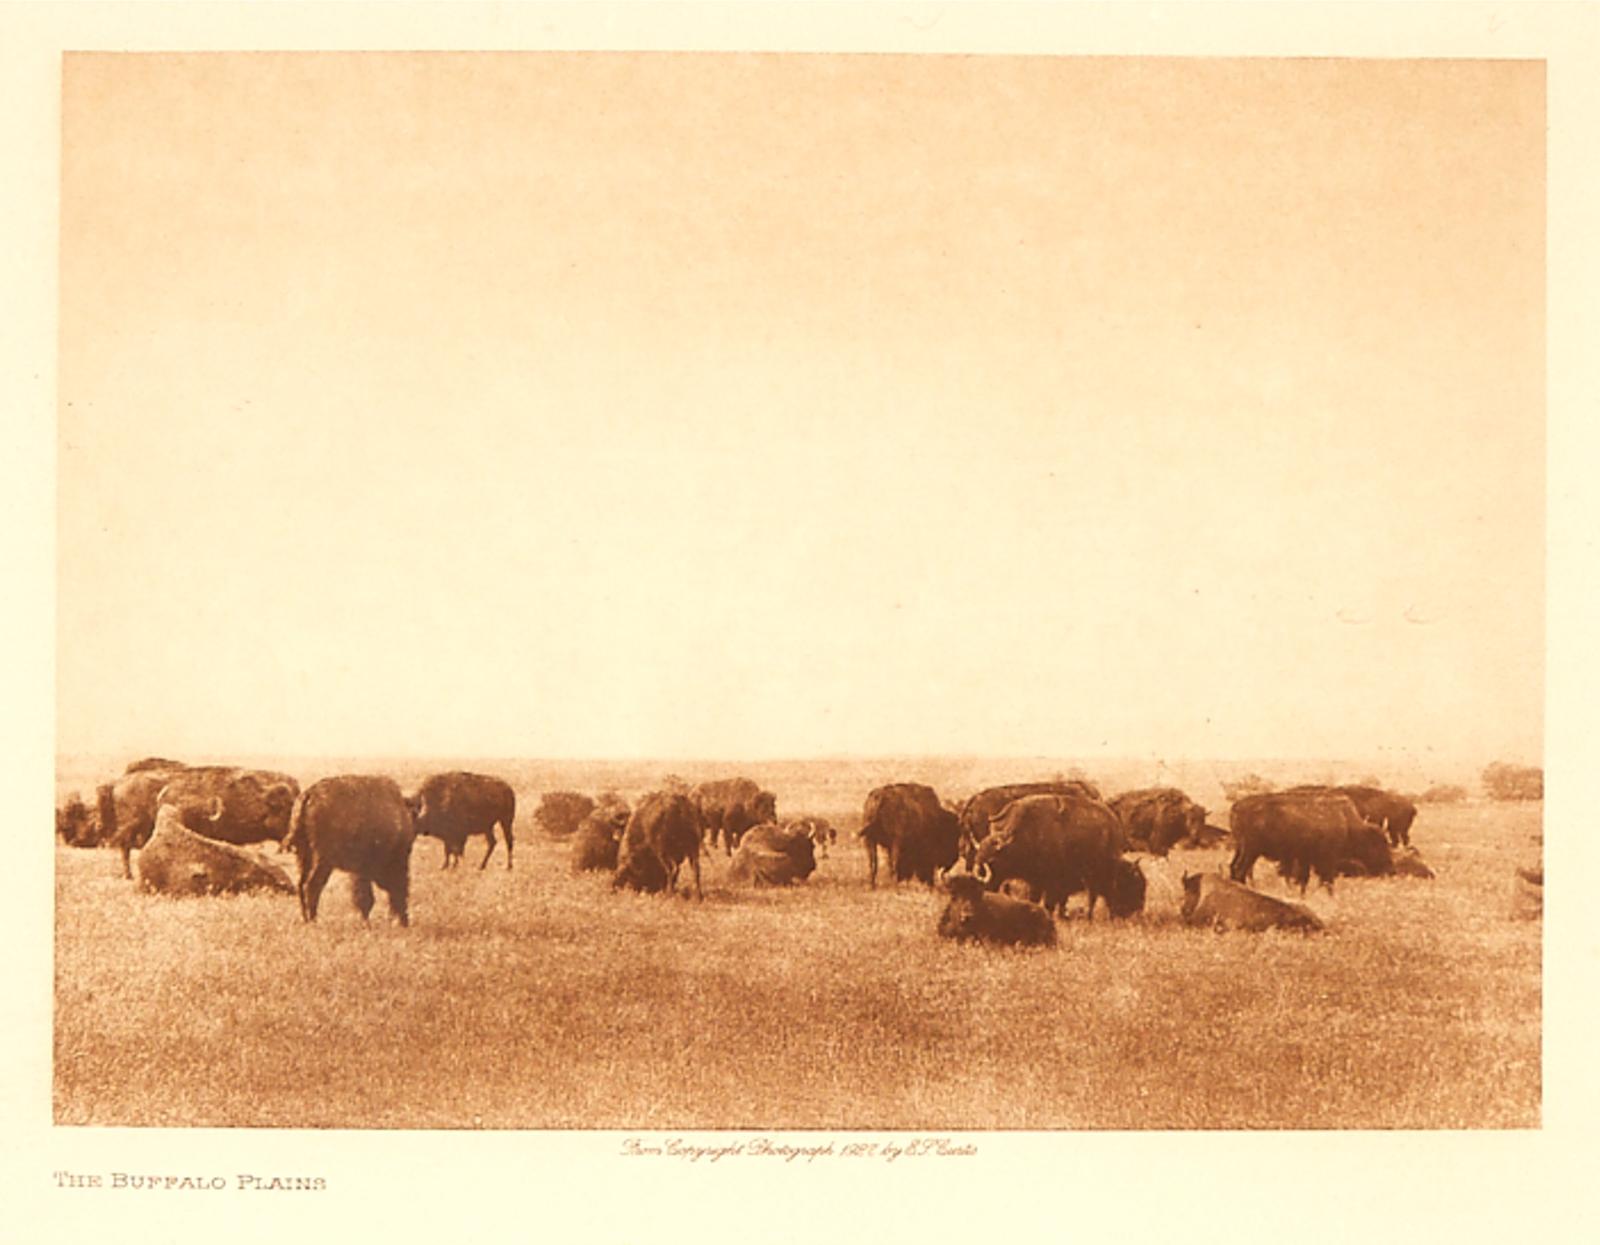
1304, 831
1215, 901
595, 844
1157, 819
770, 855
728, 807
978, 810
361, 824
974, 915
455, 806
1060, 845
919, 835
662, 833
177, 861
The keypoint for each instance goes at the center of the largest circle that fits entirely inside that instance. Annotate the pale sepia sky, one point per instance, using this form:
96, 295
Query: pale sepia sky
778, 405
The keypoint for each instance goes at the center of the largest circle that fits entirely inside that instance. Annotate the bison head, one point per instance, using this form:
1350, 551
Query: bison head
1127, 889
959, 919
1191, 894
73, 821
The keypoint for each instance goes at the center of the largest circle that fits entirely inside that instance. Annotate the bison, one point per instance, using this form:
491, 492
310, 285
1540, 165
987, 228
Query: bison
920, 836
974, 915
1304, 831
1389, 811
1157, 819
728, 807
977, 811
455, 806
1215, 901
770, 855
127, 811
237, 806
359, 823
594, 846
820, 832
76, 823
1059, 845
662, 833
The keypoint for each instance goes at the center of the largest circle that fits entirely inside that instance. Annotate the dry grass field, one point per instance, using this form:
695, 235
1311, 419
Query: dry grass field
539, 999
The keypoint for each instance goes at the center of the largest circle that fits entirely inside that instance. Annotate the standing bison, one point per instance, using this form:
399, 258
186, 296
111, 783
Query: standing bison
730, 806
358, 823
920, 836
662, 833
127, 811
977, 811
973, 915
1060, 845
1157, 819
455, 806
1388, 810
238, 806
1304, 831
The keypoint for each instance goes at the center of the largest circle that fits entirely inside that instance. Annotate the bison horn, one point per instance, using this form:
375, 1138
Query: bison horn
216, 808
983, 873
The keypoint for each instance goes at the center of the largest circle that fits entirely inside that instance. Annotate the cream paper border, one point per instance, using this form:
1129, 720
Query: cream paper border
414, 1186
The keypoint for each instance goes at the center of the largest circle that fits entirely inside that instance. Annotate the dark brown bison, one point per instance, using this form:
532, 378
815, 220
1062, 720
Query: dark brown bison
1388, 810
238, 806
127, 811
1157, 819
729, 806
821, 833
662, 833
920, 836
594, 846
974, 915
770, 855
455, 806
1215, 901
359, 823
1060, 845
978, 810
76, 823
1304, 831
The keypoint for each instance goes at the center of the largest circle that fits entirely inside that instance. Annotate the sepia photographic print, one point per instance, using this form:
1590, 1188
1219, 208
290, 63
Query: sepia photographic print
796, 606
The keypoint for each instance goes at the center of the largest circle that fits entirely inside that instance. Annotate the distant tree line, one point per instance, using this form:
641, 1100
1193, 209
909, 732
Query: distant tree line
1513, 782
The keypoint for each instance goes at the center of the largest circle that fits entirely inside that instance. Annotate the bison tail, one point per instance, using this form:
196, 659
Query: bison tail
295, 836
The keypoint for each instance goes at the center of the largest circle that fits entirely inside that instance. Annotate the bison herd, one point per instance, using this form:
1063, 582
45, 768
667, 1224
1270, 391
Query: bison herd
1022, 849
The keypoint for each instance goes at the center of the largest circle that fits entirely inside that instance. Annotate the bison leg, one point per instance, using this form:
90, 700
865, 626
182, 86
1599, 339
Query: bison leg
361, 892
484, 863
872, 863
127, 868
509, 844
398, 890
311, 888
1242, 864
695, 862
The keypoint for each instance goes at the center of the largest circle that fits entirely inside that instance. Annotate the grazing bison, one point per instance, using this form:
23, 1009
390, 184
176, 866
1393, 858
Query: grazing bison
127, 811
730, 806
1059, 845
455, 806
1388, 810
1212, 900
76, 824
774, 856
1157, 819
238, 806
594, 846
977, 811
662, 833
920, 836
1408, 863
1301, 830
973, 915
361, 824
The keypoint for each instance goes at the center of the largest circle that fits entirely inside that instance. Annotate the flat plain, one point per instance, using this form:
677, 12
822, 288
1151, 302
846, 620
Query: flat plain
536, 998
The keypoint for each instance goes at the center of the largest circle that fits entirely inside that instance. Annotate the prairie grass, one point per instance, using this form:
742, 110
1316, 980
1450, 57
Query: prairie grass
540, 999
